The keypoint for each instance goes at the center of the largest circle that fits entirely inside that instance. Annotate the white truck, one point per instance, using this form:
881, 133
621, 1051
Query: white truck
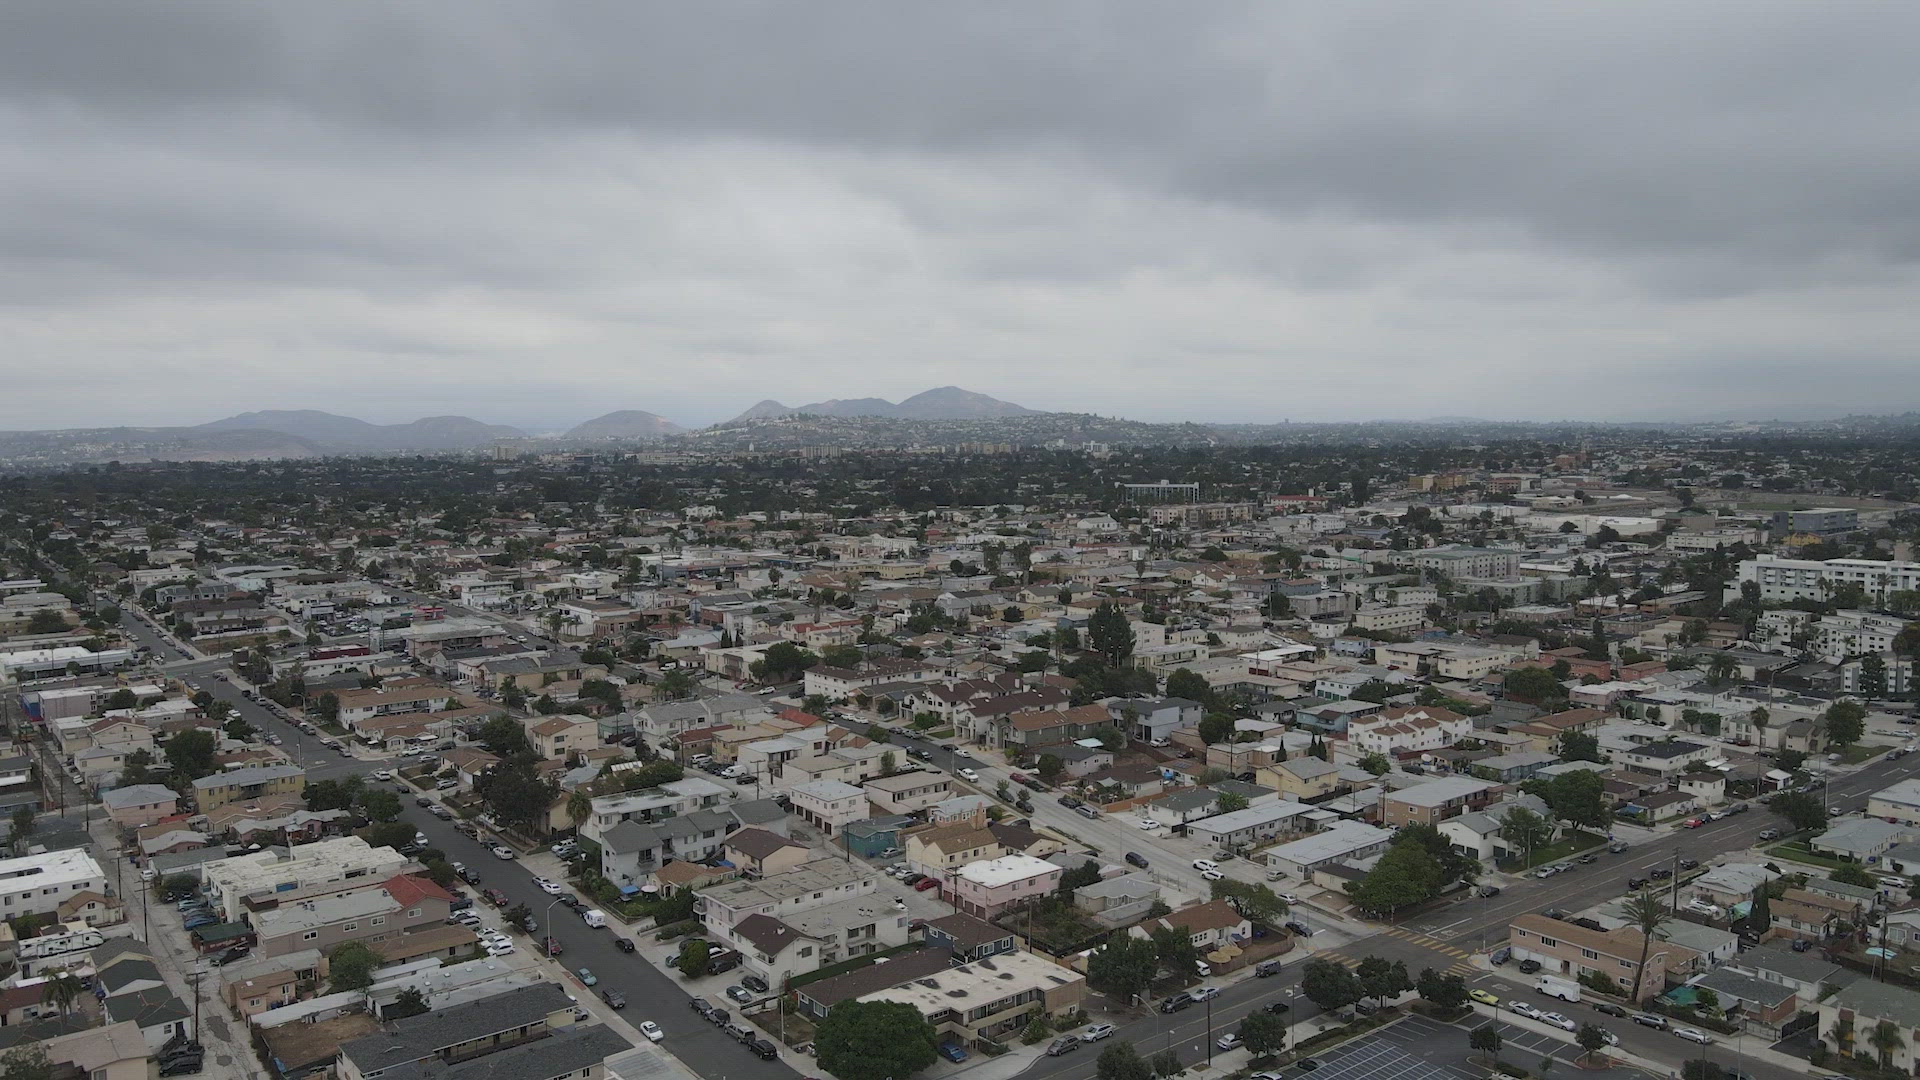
1553, 986
595, 919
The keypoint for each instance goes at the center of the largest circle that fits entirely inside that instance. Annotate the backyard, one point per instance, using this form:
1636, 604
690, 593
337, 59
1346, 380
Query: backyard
1573, 843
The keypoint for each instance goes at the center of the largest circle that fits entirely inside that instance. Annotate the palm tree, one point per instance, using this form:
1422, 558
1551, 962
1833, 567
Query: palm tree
1646, 914
1842, 1033
61, 990
579, 807
1885, 1038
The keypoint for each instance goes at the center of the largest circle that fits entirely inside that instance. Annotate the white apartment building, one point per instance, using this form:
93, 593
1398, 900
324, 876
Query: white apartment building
1849, 633
1808, 579
1391, 620
803, 888
39, 884
289, 870
1899, 803
829, 805
1407, 731
653, 804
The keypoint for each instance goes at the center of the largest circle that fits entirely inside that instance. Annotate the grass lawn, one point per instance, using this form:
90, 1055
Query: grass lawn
1571, 844
1859, 752
1798, 851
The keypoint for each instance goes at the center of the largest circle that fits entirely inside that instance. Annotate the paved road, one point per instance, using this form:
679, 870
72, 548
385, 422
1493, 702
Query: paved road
651, 995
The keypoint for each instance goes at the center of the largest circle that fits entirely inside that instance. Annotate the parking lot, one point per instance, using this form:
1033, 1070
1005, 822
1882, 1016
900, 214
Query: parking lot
1444, 1046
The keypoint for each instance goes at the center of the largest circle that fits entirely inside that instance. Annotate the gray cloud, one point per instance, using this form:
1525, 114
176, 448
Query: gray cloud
536, 212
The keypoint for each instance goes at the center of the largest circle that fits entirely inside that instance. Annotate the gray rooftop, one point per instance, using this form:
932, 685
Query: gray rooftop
422, 1036
568, 1052
1879, 1001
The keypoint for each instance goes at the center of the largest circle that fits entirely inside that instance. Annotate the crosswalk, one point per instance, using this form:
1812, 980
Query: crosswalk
1459, 964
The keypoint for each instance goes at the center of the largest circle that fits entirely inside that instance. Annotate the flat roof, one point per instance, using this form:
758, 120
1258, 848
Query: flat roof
994, 873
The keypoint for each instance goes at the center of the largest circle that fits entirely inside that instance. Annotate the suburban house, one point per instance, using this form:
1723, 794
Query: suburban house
991, 886
1209, 926
1562, 948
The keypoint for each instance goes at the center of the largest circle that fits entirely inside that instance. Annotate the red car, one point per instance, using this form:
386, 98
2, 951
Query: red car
1694, 822
494, 897
930, 883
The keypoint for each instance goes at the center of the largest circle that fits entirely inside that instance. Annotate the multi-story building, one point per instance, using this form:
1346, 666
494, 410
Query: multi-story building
991, 997
822, 881
1822, 522
653, 804
829, 805
904, 793
991, 886
1405, 732
1462, 562
1853, 1014
373, 914
1437, 800
1562, 948
286, 871
1849, 633
40, 884
241, 785
1392, 620
1809, 579
398, 696
528, 1033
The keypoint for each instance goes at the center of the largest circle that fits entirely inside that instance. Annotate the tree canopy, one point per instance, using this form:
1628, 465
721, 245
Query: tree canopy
875, 1040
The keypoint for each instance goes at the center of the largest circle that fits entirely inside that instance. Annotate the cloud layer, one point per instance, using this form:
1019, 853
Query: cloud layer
534, 213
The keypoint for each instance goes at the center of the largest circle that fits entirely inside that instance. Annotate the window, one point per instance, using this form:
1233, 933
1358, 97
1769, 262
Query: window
377, 920
310, 935
413, 913
1544, 940
1628, 964
350, 928
1589, 954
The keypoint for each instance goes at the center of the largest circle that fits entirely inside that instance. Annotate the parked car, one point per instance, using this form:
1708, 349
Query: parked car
1689, 864
1610, 1009
614, 999
1528, 967
1176, 1002
1693, 823
1523, 1008
1559, 1020
1096, 1032
1230, 1041
1694, 1035
1660, 873
1066, 1044
1205, 993
754, 983
930, 883
625, 945
502, 851
1483, 997
1635, 884
740, 994
953, 1052
762, 1048
1134, 858
652, 1030
1652, 1020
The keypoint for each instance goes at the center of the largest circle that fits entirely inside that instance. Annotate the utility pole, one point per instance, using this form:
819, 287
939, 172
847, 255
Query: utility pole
1676, 882
1209, 1034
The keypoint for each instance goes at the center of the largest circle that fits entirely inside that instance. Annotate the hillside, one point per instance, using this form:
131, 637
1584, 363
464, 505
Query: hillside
626, 424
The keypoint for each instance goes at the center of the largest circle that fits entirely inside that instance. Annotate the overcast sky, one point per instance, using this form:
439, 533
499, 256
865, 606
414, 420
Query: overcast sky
536, 213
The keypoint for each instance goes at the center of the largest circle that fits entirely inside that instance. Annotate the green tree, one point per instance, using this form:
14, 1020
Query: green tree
350, 967
1486, 1039
1378, 691
393, 834
190, 755
1176, 950
1406, 874
1184, 683
1228, 802
1123, 967
1251, 900
1644, 912
1049, 766
1760, 913
782, 662
61, 991
1577, 797
1846, 722
1166, 1063
1264, 1033
503, 737
1885, 1039
27, 1061
378, 804
326, 709
1382, 979
22, 825
1591, 1038
1447, 992
692, 962
875, 1040
1120, 1061
122, 698
1215, 728
1852, 874
1722, 668
1377, 764
137, 769
1087, 873
1534, 684
1330, 985
1873, 676
1580, 746
518, 795
410, 1002
1109, 635
1801, 810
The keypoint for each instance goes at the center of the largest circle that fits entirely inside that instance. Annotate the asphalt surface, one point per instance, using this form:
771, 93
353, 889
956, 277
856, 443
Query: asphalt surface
650, 993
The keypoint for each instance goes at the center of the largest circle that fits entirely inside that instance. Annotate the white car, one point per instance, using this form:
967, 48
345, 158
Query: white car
1204, 865
551, 888
969, 775
652, 1030
1096, 1033
1523, 1008
1204, 993
1212, 875
1288, 898
504, 948
382, 774
1230, 1041
148, 873
1148, 824
1559, 1020
501, 851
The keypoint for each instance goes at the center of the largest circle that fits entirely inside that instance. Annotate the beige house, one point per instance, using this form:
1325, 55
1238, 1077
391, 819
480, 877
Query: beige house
1300, 779
761, 853
140, 805
1562, 948
372, 915
936, 850
557, 736
114, 1052
237, 785
904, 793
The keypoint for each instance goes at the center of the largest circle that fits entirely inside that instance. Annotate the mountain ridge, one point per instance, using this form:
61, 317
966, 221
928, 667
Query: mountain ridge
939, 403
625, 424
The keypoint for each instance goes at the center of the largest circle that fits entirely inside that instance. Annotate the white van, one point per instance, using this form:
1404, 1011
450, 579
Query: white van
595, 919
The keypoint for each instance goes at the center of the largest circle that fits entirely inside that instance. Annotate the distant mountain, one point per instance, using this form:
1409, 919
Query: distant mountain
333, 432
626, 424
940, 403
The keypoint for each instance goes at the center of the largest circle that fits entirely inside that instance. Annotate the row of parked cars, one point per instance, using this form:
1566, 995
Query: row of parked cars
722, 1019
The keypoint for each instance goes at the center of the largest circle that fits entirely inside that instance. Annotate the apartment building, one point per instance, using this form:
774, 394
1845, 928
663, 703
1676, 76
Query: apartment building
840, 684
1849, 633
1561, 948
904, 793
245, 785
528, 1033
1390, 620
41, 884
822, 881
653, 804
554, 737
1405, 732
991, 886
282, 871
1860, 1008
937, 850
829, 805
1437, 800
991, 997
1808, 579
373, 914
397, 696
